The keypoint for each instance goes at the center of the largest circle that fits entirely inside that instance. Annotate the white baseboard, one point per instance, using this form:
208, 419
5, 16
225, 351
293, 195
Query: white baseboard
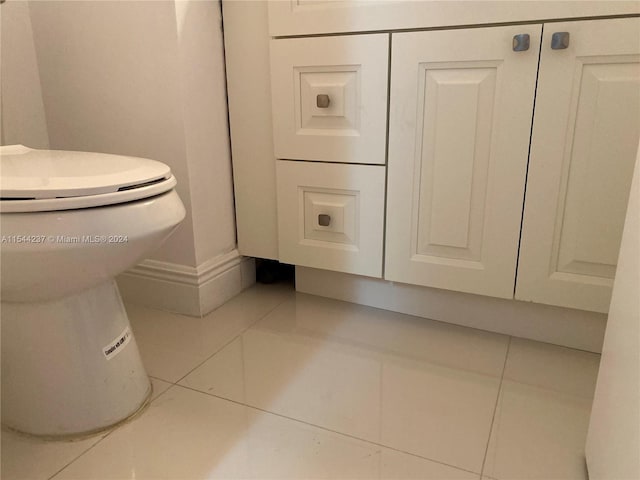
560, 326
184, 289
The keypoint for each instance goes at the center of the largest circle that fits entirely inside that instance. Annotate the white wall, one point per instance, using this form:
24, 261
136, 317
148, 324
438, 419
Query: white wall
22, 111
146, 78
111, 83
613, 442
204, 98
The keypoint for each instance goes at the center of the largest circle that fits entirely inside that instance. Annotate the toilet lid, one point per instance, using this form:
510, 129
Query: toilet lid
43, 180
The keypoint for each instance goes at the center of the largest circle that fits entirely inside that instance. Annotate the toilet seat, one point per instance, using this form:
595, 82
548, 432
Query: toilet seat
49, 180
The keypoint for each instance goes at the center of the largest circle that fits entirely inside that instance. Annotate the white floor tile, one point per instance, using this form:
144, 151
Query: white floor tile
172, 345
28, 458
543, 413
392, 380
412, 384
397, 465
189, 435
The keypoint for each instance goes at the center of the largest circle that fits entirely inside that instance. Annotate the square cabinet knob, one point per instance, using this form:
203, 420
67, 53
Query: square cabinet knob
323, 101
324, 220
560, 40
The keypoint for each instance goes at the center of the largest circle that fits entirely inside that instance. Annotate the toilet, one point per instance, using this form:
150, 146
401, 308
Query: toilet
70, 222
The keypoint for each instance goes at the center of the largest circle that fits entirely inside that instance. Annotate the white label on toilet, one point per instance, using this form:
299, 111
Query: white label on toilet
118, 344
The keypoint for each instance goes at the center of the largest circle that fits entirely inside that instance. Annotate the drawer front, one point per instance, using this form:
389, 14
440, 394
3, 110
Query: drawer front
330, 98
309, 17
331, 216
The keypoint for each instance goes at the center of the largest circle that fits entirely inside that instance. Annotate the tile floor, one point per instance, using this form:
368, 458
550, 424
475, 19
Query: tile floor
276, 385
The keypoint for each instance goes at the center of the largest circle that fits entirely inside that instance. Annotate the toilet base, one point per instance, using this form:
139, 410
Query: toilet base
70, 366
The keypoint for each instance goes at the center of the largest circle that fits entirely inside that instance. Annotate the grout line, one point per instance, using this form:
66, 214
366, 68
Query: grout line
114, 429
564, 347
82, 454
495, 408
177, 382
172, 384
326, 429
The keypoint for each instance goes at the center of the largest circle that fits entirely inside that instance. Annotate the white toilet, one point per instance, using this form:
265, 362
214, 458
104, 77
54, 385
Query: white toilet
70, 222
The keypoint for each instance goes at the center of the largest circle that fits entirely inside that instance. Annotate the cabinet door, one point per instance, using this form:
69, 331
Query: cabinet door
460, 121
584, 141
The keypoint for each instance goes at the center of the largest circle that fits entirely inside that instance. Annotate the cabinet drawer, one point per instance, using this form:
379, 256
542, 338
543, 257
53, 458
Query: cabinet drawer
330, 98
309, 17
330, 216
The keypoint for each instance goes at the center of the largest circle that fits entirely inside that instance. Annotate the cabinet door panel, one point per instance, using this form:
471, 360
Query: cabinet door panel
460, 119
453, 168
585, 137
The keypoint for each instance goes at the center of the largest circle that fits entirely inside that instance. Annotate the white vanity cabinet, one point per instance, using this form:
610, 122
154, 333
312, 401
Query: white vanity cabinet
460, 119
584, 141
490, 160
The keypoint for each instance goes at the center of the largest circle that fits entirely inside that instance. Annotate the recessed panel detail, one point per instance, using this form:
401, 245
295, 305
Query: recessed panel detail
598, 167
330, 216
329, 98
455, 114
340, 87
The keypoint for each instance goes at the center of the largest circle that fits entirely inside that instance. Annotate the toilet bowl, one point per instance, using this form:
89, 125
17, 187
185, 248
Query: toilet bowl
69, 223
